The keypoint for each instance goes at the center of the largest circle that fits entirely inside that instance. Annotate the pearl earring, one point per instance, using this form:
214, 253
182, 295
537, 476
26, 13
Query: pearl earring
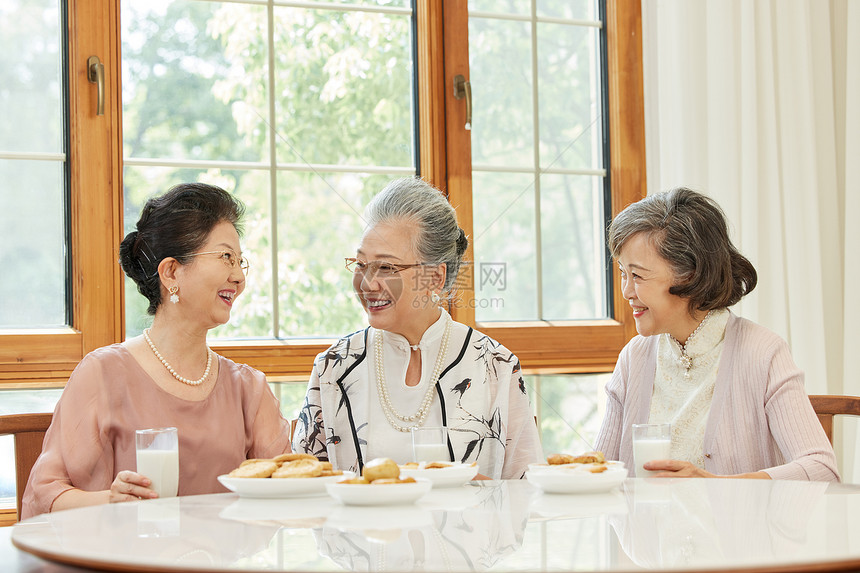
435, 298
174, 298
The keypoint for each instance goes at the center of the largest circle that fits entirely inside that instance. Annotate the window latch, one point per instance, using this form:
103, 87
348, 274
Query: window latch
96, 75
463, 89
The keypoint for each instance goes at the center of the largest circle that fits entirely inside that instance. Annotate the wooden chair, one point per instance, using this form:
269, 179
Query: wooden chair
827, 406
29, 431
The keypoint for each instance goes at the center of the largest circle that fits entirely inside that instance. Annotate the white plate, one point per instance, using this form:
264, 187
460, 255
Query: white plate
573, 481
381, 494
558, 467
452, 476
279, 487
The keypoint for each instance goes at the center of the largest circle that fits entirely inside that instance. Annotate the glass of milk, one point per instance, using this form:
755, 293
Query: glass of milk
650, 442
430, 444
158, 459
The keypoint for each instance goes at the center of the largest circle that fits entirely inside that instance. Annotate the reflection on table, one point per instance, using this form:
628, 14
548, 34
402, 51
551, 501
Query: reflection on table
499, 525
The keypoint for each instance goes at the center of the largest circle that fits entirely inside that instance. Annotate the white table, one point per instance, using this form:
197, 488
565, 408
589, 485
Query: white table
509, 526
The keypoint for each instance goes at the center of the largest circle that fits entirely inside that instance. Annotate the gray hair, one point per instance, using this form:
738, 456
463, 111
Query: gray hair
438, 238
690, 232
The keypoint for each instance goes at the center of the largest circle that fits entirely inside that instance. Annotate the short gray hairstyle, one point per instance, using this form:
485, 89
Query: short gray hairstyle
438, 238
690, 232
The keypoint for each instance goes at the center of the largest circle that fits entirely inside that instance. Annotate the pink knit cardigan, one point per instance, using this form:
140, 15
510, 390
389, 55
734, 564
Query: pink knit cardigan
760, 417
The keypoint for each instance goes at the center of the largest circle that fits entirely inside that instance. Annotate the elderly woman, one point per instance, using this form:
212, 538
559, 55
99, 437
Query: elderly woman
728, 386
414, 366
186, 260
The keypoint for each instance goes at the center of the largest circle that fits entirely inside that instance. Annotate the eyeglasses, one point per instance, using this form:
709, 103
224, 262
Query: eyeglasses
380, 269
229, 258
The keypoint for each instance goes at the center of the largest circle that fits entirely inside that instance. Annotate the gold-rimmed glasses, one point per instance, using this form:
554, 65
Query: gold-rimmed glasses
230, 258
381, 269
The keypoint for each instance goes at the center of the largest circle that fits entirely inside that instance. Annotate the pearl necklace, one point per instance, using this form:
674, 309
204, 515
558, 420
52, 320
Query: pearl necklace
684, 359
420, 415
170, 368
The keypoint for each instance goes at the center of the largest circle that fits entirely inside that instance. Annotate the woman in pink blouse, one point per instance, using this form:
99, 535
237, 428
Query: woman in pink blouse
729, 387
186, 260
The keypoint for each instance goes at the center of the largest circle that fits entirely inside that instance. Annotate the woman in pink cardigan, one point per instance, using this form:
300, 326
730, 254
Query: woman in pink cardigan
186, 260
728, 386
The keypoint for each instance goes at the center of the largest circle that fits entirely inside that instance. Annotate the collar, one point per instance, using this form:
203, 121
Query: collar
431, 335
707, 338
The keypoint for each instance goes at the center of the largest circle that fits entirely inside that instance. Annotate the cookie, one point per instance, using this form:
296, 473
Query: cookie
291, 457
589, 458
381, 468
558, 459
436, 465
302, 468
255, 469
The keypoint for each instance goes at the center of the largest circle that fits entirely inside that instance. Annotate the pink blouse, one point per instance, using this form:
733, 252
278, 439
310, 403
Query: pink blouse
109, 396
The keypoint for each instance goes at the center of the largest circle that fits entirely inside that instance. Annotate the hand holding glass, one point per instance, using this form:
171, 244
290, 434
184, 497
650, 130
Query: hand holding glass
158, 459
650, 442
430, 444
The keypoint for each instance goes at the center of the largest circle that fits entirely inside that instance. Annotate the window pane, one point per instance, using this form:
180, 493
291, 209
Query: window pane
504, 239
572, 9
290, 395
177, 69
502, 103
32, 163
557, 215
320, 224
372, 3
32, 231
570, 410
518, 7
572, 247
575, 9
198, 105
570, 110
31, 85
343, 81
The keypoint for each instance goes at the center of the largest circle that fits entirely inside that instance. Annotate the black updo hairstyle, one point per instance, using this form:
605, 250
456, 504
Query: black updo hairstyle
176, 225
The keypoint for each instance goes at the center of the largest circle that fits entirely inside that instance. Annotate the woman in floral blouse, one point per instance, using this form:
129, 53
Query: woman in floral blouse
414, 366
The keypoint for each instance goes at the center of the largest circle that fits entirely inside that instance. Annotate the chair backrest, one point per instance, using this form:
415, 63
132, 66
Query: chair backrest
827, 406
29, 431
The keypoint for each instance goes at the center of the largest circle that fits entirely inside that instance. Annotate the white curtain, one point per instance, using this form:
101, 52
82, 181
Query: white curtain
757, 104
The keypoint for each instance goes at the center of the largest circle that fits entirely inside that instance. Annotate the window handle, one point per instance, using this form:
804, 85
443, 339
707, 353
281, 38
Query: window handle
462, 88
96, 75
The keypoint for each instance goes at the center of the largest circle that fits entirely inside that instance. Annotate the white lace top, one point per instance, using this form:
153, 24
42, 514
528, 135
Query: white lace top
685, 401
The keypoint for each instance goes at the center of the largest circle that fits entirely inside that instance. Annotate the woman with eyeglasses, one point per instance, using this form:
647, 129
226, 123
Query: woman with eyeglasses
185, 258
414, 366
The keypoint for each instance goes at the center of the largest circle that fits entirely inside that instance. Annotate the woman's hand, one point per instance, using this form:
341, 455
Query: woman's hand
677, 468
130, 486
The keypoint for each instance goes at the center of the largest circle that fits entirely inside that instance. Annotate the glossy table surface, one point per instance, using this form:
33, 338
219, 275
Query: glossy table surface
662, 524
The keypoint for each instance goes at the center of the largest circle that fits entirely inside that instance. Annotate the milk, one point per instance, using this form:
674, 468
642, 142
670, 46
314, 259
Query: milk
430, 452
162, 467
646, 450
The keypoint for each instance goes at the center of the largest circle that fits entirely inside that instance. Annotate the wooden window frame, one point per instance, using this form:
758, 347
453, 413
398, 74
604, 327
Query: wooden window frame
543, 346
46, 358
